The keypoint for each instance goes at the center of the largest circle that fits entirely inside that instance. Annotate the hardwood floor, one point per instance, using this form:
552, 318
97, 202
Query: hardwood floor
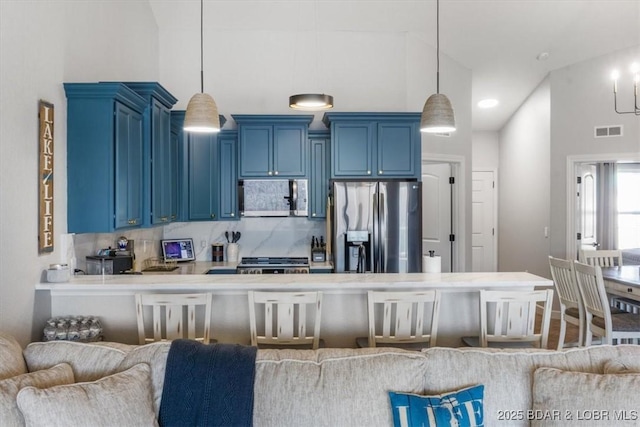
554, 331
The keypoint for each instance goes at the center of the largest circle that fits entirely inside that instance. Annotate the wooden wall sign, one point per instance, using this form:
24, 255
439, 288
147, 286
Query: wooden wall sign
45, 177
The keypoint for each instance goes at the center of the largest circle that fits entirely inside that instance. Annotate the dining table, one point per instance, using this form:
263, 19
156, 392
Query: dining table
623, 281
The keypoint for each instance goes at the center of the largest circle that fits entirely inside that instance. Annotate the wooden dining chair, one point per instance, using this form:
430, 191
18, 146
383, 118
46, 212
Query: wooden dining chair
406, 319
508, 319
599, 321
603, 258
288, 318
174, 316
571, 308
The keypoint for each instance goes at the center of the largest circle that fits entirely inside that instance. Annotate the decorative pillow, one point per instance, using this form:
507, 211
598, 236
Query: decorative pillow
563, 397
9, 413
461, 408
122, 399
11, 360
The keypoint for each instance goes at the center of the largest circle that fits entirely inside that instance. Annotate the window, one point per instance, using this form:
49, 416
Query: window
628, 205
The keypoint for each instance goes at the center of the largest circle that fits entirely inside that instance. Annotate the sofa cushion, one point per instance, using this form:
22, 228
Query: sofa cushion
89, 361
122, 399
507, 374
11, 359
9, 413
561, 397
462, 408
332, 387
155, 355
621, 365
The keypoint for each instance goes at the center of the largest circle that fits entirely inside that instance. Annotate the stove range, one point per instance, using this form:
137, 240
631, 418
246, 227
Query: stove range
273, 265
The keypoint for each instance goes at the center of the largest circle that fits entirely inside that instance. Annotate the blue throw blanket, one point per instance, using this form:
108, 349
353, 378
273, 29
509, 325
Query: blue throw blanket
208, 385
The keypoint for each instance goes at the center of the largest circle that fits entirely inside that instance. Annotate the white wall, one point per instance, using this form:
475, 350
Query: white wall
524, 186
486, 150
42, 45
582, 98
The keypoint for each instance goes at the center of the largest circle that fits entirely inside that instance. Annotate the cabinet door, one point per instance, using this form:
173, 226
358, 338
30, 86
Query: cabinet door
256, 151
352, 149
319, 179
203, 177
228, 177
175, 175
397, 149
128, 167
289, 151
160, 163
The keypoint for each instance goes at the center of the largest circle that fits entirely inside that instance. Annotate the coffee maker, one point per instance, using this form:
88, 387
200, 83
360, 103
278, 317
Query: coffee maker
357, 245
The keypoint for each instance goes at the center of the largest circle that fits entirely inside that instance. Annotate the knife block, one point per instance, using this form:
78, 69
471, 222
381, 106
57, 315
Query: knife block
318, 255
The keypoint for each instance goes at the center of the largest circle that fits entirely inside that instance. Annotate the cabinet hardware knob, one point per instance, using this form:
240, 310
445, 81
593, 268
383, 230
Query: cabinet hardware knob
313, 214
275, 173
233, 214
213, 215
380, 172
269, 173
368, 172
629, 289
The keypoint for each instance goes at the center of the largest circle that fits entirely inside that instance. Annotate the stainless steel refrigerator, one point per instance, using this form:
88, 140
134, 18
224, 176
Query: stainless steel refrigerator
377, 226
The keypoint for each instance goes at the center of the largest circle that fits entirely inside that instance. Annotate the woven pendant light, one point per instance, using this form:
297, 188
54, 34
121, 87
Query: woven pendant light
437, 114
202, 111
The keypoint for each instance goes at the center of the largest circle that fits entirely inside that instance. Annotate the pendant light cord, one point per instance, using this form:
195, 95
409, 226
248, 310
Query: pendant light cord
437, 46
201, 47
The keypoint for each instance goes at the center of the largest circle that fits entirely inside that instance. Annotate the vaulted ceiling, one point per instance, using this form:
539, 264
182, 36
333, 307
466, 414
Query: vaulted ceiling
498, 40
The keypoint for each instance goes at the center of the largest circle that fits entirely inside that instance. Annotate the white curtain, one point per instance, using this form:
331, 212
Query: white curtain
607, 216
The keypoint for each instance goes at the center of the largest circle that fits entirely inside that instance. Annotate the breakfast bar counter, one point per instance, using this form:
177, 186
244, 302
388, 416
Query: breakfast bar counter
344, 307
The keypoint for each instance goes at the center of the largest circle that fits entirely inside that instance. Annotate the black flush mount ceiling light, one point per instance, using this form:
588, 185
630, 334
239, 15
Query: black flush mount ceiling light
635, 71
437, 114
311, 101
202, 111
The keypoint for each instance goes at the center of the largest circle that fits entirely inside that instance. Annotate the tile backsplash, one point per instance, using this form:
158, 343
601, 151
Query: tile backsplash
282, 236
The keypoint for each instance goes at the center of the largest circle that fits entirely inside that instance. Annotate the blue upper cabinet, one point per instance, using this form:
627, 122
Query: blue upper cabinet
177, 165
104, 157
272, 146
319, 173
228, 152
158, 176
202, 155
374, 145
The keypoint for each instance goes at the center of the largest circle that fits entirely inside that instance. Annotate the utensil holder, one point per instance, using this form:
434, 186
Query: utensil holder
232, 252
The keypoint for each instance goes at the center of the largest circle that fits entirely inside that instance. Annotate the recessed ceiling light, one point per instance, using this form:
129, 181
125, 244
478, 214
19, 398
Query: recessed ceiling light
542, 56
488, 103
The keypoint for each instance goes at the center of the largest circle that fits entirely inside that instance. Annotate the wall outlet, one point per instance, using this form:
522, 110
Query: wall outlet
203, 244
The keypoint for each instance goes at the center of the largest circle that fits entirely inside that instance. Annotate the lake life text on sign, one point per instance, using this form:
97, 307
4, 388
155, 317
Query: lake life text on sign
45, 174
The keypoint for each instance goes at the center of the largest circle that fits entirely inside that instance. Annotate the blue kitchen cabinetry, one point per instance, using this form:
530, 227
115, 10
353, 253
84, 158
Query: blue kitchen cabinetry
160, 202
272, 146
374, 145
319, 173
177, 165
104, 157
228, 153
204, 163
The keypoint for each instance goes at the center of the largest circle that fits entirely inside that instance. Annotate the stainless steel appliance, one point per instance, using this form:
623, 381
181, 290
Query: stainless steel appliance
106, 264
273, 197
268, 265
377, 226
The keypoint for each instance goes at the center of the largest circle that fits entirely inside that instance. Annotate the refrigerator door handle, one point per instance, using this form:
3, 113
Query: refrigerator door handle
376, 237
382, 235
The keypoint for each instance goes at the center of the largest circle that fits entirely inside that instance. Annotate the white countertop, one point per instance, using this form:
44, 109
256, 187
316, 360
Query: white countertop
328, 282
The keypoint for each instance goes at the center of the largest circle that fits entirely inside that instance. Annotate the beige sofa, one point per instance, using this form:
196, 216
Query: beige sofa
327, 387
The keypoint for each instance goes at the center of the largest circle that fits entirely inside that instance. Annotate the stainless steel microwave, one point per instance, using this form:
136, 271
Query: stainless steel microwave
273, 197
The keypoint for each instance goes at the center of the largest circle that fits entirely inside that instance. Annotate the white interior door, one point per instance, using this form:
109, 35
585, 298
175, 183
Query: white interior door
436, 212
483, 237
587, 207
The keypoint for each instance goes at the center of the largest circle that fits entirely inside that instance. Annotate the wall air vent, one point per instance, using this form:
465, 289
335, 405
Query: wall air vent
607, 131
